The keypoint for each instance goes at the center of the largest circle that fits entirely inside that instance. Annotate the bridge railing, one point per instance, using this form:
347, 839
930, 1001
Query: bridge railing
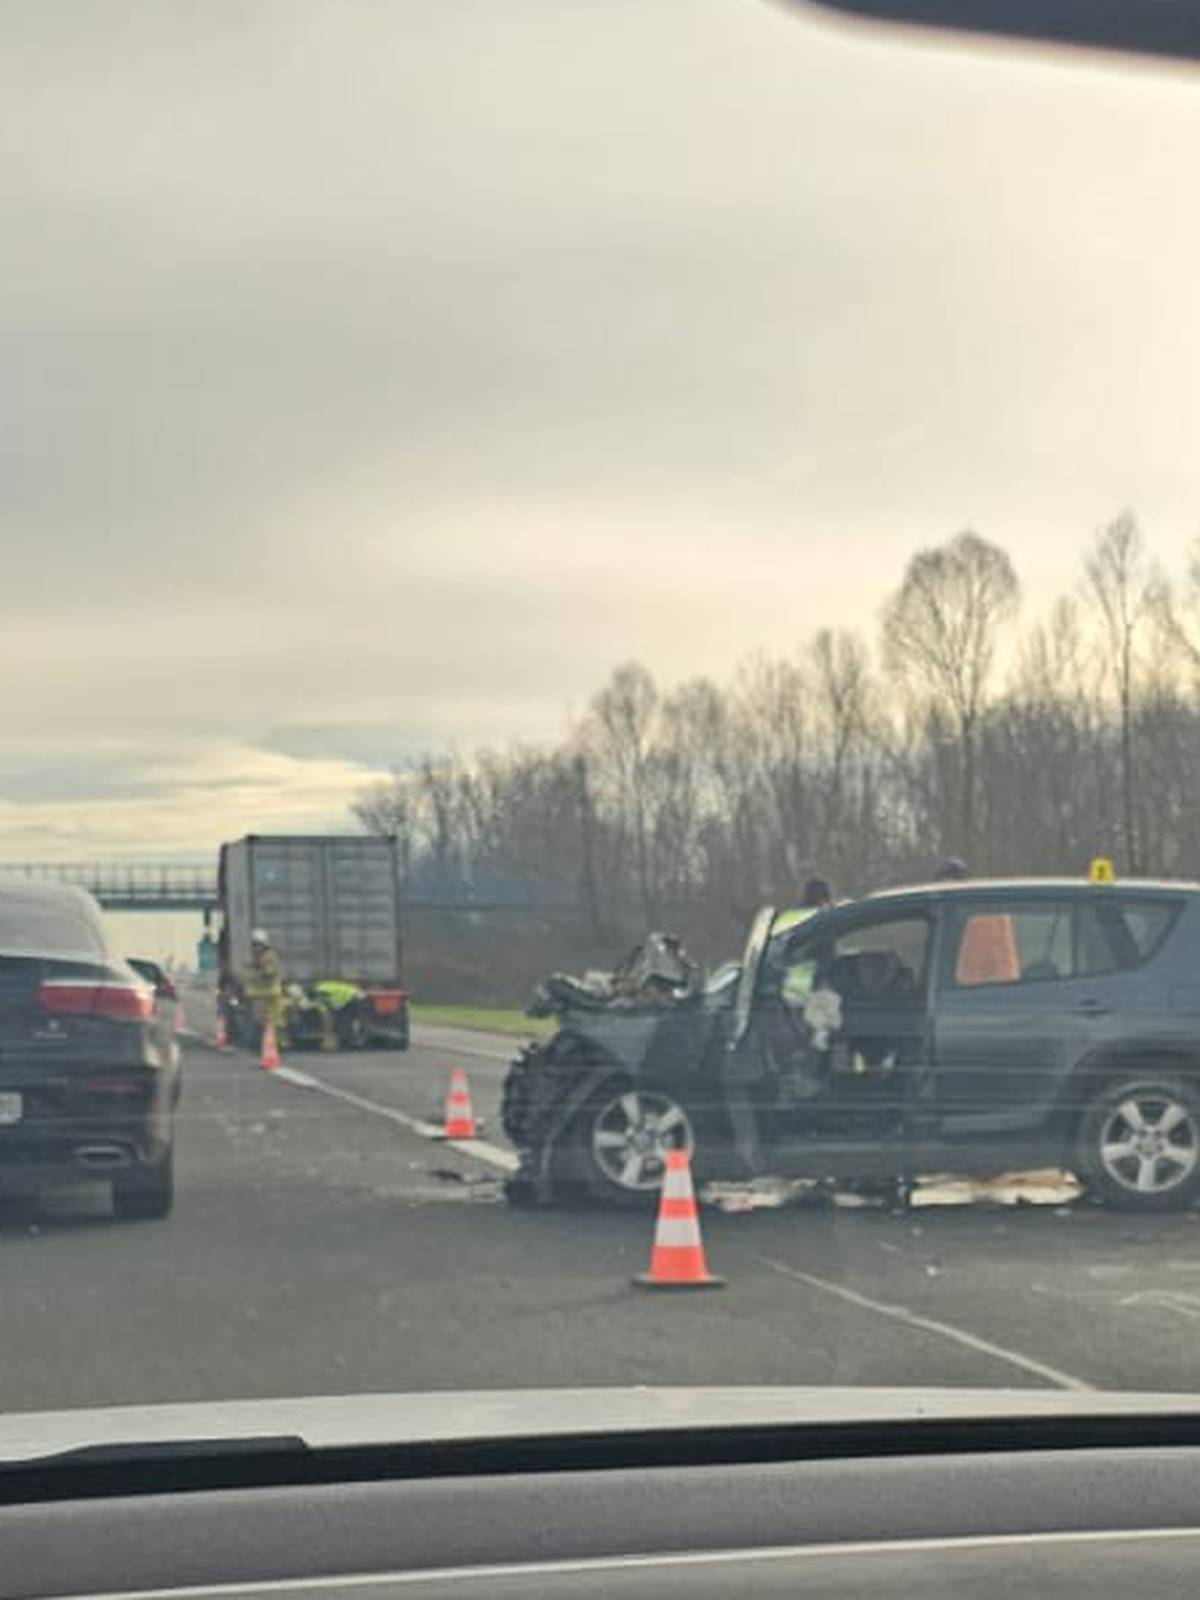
182, 886
128, 883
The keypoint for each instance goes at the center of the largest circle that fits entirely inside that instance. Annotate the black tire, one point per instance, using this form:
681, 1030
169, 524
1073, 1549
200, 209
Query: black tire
145, 1194
351, 1028
1138, 1143
521, 1194
518, 1097
380, 1038
610, 1137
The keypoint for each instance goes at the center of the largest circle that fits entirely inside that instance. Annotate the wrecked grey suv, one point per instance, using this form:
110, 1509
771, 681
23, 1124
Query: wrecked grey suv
974, 1028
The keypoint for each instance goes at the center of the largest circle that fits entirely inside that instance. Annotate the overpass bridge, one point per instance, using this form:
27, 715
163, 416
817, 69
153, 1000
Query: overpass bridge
130, 885
192, 886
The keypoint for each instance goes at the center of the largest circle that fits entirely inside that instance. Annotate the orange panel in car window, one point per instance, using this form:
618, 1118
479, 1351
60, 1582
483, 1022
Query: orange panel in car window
988, 951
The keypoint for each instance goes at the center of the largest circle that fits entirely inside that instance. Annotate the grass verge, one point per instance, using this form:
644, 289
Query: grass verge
485, 1019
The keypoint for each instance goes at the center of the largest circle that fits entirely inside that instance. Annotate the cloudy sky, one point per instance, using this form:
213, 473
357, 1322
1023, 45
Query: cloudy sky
378, 373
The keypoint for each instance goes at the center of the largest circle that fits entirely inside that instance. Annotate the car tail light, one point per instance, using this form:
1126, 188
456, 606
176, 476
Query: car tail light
120, 1002
386, 1002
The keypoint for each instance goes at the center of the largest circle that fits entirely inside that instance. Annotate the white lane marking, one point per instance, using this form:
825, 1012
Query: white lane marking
1187, 1305
947, 1330
687, 1558
497, 1047
492, 1155
463, 1041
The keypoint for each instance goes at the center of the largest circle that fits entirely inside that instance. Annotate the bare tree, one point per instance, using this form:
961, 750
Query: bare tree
842, 696
391, 807
700, 802
588, 882
1126, 592
771, 786
622, 722
384, 806
940, 633
1055, 661
1178, 613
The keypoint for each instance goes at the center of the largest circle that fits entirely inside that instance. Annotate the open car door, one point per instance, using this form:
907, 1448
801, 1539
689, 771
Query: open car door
752, 960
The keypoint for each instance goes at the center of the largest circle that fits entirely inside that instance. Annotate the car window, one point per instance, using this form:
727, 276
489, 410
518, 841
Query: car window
1147, 922
49, 927
1103, 944
1021, 944
1056, 940
1114, 935
905, 938
877, 961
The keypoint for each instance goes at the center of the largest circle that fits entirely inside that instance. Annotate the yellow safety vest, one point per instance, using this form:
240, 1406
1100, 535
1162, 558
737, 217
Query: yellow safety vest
792, 919
336, 992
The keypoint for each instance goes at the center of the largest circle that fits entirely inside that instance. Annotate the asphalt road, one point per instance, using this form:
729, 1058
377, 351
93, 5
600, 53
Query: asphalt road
322, 1244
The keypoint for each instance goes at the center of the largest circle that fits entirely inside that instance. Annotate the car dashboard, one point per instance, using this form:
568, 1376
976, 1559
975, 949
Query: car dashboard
1036, 1506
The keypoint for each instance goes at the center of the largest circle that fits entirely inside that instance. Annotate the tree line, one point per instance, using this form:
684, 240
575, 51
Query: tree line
957, 730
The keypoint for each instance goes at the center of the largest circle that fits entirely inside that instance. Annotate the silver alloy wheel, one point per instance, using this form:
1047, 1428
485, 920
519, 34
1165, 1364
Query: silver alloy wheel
631, 1135
1149, 1143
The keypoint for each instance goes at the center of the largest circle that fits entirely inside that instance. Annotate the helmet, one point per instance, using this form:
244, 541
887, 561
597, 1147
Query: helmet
260, 936
816, 893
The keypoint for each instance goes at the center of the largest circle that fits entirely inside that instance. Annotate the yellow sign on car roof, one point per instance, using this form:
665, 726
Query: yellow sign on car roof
1101, 871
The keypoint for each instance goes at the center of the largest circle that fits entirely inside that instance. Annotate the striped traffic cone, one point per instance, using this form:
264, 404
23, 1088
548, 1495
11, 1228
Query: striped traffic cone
221, 1042
270, 1049
460, 1119
677, 1258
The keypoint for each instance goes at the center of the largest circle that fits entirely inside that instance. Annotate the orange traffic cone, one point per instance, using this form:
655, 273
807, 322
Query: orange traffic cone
270, 1049
677, 1258
460, 1119
988, 952
222, 1039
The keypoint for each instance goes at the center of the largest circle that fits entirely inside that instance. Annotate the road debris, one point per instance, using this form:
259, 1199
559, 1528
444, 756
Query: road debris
760, 1194
468, 1179
1045, 1187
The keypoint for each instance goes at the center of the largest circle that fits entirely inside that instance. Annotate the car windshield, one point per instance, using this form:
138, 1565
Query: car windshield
57, 926
605, 599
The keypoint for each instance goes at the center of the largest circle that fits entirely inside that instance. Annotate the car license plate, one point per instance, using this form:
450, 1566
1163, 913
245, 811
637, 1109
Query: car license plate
12, 1107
